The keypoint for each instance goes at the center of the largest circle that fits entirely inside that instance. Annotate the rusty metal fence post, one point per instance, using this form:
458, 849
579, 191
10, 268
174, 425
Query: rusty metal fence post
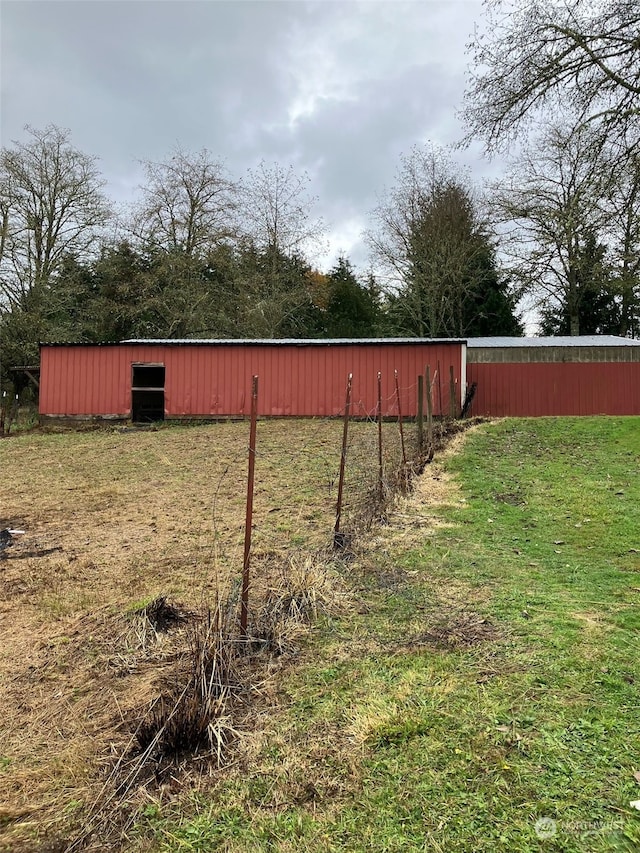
420, 413
338, 539
380, 461
244, 599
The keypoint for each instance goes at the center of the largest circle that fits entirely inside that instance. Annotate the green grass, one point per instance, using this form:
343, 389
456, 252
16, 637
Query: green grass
382, 740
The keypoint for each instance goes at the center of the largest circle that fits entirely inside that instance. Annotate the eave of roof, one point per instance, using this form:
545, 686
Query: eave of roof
559, 341
297, 342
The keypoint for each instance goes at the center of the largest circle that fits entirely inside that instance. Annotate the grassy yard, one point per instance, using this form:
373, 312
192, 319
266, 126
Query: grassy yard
477, 689
488, 679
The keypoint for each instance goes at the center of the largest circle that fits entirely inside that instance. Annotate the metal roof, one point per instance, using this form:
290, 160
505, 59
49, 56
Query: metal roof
560, 341
274, 342
301, 342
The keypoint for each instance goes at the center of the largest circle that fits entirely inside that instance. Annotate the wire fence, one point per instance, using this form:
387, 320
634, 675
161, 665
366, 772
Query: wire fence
319, 486
268, 569
354, 467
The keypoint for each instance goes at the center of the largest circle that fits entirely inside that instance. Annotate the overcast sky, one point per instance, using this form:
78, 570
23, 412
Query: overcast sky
336, 89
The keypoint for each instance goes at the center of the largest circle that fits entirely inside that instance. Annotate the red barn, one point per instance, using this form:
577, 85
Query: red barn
155, 379
526, 377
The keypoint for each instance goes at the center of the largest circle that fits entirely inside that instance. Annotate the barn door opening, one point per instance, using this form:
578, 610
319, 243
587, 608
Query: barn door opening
147, 393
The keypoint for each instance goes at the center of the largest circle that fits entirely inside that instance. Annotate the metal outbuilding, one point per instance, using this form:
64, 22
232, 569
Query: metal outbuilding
528, 377
156, 379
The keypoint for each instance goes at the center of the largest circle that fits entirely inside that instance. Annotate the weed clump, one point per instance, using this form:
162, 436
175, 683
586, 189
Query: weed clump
161, 615
298, 590
194, 715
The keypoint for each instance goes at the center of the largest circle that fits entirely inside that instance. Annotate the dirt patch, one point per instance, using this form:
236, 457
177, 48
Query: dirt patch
456, 631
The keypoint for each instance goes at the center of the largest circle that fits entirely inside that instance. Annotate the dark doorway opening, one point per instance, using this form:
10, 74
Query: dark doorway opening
147, 393
147, 376
147, 406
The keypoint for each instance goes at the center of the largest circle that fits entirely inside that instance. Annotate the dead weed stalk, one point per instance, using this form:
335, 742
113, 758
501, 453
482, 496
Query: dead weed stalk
202, 705
194, 714
296, 591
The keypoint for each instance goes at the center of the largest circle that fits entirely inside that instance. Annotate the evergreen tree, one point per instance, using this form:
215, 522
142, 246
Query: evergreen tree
439, 253
352, 310
488, 306
596, 307
277, 292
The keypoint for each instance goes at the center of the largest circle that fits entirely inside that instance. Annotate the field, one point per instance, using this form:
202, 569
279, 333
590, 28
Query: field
115, 519
470, 684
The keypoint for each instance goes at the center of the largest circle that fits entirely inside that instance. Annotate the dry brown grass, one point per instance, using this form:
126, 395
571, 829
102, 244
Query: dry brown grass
114, 520
416, 513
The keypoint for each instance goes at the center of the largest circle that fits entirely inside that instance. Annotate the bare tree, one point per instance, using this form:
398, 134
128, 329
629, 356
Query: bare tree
581, 56
622, 208
51, 205
419, 177
4, 220
551, 203
277, 211
188, 204
280, 232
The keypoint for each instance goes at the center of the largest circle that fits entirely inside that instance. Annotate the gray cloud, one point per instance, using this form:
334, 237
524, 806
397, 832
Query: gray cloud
339, 89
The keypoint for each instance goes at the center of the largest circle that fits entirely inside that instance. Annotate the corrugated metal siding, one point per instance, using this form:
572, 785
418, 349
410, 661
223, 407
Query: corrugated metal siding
554, 354
530, 390
563, 341
206, 381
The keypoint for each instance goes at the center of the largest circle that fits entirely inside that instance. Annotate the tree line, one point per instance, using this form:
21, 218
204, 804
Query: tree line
202, 255
553, 85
